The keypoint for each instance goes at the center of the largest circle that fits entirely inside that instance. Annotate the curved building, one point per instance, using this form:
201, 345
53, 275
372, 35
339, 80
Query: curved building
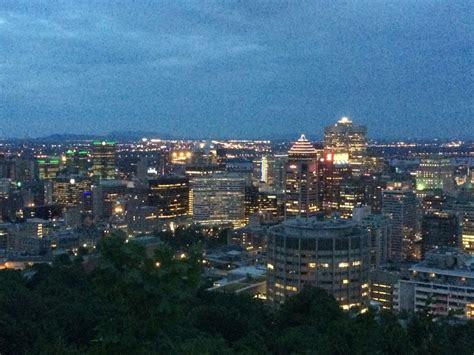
331, 254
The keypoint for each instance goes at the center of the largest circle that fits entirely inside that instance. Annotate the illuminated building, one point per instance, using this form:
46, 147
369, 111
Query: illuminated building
382, 286
142, 220
170, 194
334, 174
331, 254
439, 229
193, 170
72, 191
103, 159
301, 180
48, 167
351, 195
77, 161
107, 197
348, 143
399, 205
465, 212
218, 199
435, 173
266, 204
434, 201
443, 284
180, 156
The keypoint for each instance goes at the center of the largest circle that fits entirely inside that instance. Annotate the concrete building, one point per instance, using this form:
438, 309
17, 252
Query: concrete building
399, 205
331, 254
218, 199
443, 284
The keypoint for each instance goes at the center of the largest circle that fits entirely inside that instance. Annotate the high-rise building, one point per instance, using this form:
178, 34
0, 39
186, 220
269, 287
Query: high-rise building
331, 254
379, 231
72, 191
435, 173
170, 194
302, 180
48, 167
348, 143
103, 159
399, 205
333, 174
77, 161
218, 199
108, 196
439, 229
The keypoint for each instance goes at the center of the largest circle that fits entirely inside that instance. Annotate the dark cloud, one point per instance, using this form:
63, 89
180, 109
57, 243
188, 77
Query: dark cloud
237, 68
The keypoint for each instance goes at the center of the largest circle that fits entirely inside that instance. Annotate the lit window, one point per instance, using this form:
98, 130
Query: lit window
312, 265
344, 264
345, 282
270, 267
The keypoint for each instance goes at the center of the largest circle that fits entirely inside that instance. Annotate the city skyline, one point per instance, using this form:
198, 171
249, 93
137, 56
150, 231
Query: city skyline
236, 70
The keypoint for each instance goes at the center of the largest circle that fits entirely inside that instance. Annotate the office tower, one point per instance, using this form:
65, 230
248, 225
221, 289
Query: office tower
170, 195
218, 199
434, 201
302, 180
332, 254
108, 197
374, 186
48, 167
72, 191
103, 159
24, 169
348, 143
77, 161
379, 231
262, 203
399, 205
278, 173
443, 283
435, 173
333, 174
351, 195
439, 229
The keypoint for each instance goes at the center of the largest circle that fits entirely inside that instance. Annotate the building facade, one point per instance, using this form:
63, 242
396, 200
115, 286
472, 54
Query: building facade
331, 254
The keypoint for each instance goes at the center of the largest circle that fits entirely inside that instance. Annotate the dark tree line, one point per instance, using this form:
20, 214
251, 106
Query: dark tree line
133, 304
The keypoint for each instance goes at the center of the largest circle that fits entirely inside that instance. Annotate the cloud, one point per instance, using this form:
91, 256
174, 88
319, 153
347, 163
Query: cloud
235, 67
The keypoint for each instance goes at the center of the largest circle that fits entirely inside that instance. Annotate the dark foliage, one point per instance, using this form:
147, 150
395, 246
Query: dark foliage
133, 304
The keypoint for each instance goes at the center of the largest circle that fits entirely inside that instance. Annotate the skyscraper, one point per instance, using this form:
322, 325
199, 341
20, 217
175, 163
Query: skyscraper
218, 199
348, 143
399, 204
439, 229
302, 179
170, 194
435, 173
103, 159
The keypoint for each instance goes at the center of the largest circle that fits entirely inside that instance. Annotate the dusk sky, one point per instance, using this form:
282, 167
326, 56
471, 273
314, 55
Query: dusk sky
237, 68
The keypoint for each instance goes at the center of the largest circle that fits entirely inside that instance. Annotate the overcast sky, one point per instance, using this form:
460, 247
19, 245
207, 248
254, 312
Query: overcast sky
237, 68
